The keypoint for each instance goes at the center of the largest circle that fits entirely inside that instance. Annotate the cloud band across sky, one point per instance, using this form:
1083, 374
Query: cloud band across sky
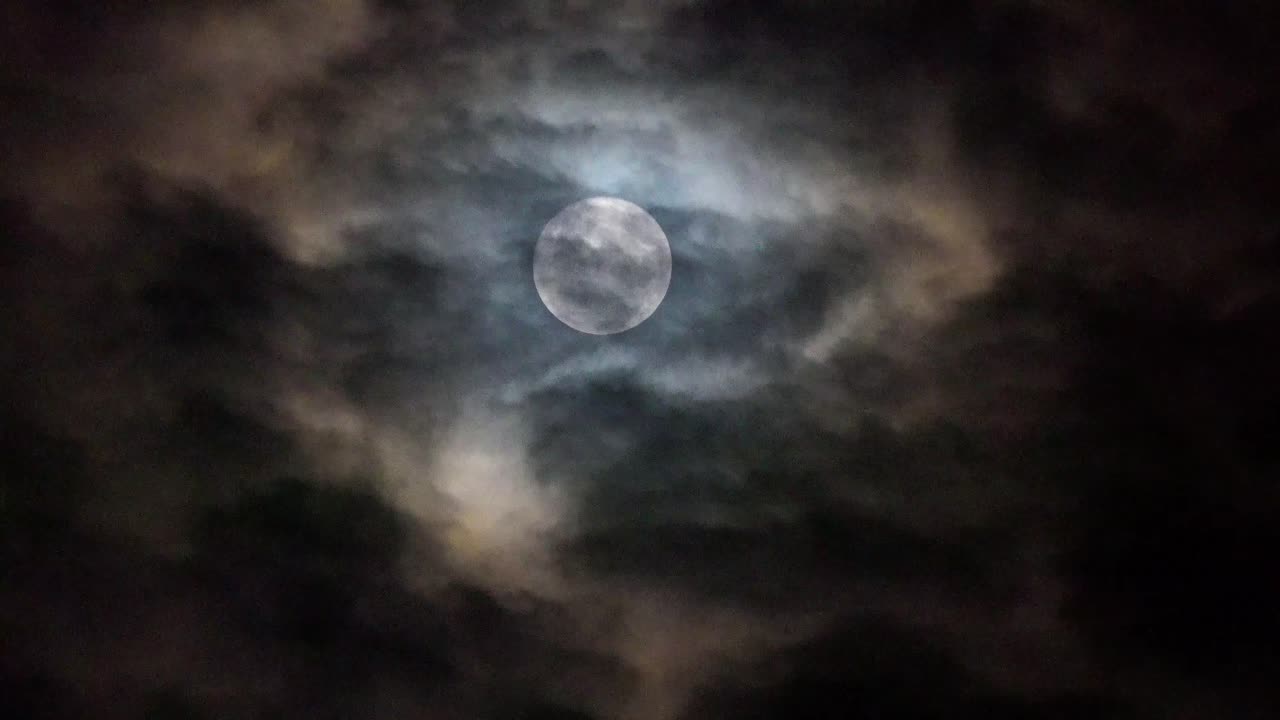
959, 402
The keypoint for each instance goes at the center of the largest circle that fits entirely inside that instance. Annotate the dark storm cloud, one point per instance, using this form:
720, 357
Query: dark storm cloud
875, 666
1166, 564
959, 403
293, 584
289, 604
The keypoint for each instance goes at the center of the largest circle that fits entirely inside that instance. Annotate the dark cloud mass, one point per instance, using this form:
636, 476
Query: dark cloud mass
961, 402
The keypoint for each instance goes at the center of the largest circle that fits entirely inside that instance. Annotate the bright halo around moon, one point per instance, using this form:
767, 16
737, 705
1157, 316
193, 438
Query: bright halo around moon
602, 265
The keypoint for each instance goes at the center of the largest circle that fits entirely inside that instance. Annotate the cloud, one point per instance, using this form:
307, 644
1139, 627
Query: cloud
875, 665
961, 391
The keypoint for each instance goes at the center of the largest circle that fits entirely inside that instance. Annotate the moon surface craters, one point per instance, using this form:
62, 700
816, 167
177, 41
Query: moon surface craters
602, 265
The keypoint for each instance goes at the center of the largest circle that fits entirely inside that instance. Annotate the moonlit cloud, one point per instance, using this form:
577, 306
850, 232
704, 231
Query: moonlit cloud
959, 403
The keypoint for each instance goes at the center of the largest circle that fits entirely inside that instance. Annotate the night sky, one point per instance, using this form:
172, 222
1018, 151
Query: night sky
962, 403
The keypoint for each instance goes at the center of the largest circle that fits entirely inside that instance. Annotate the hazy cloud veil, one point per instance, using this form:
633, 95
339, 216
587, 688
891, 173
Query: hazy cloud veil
960, 402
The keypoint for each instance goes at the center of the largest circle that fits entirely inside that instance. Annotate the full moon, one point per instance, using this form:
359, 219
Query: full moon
602, 265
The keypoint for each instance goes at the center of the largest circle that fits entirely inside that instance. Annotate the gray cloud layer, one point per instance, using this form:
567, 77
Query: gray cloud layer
959, 403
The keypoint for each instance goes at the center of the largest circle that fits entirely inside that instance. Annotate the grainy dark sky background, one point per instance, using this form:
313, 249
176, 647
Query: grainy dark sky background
962, 403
